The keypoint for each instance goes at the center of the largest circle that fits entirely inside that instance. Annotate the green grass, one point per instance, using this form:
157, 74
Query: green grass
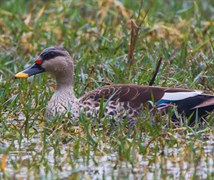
98, 33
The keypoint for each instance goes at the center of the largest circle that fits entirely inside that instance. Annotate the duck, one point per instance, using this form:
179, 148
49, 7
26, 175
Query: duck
120, 101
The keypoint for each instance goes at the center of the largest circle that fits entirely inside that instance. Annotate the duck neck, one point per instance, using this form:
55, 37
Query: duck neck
64, 85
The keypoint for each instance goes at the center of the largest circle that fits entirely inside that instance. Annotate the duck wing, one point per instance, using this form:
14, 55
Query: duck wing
133, 96
136, 94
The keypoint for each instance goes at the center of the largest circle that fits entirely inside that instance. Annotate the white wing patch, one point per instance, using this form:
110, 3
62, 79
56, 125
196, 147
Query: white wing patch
176, 96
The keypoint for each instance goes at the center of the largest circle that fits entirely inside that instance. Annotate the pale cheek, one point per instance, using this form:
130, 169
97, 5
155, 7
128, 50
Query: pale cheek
53, 66
60, 66
65, 66
47, 66
59, 69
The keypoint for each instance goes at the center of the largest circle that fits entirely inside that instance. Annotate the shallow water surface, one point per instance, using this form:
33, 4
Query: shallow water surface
29, 163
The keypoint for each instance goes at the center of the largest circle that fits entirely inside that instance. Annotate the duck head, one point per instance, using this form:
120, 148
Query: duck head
54, 60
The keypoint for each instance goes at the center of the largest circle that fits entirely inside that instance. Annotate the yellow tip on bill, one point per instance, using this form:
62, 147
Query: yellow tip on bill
21, 75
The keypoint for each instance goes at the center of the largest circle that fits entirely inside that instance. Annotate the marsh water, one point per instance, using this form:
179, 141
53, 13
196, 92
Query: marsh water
31, 162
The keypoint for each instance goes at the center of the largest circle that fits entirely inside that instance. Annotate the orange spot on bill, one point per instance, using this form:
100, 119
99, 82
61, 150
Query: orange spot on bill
39, 61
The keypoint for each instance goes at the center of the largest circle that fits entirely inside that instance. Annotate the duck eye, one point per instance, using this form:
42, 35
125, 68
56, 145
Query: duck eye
50, 55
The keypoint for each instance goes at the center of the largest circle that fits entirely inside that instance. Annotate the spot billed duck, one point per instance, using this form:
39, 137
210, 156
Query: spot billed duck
119, 101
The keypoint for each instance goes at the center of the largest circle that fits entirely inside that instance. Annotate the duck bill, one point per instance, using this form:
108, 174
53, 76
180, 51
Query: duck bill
33, 70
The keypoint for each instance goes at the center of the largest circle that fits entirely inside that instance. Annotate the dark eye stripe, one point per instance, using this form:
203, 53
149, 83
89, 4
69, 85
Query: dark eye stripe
51, 55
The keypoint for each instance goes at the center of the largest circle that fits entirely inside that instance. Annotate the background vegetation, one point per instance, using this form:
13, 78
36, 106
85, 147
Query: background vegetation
98, 32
